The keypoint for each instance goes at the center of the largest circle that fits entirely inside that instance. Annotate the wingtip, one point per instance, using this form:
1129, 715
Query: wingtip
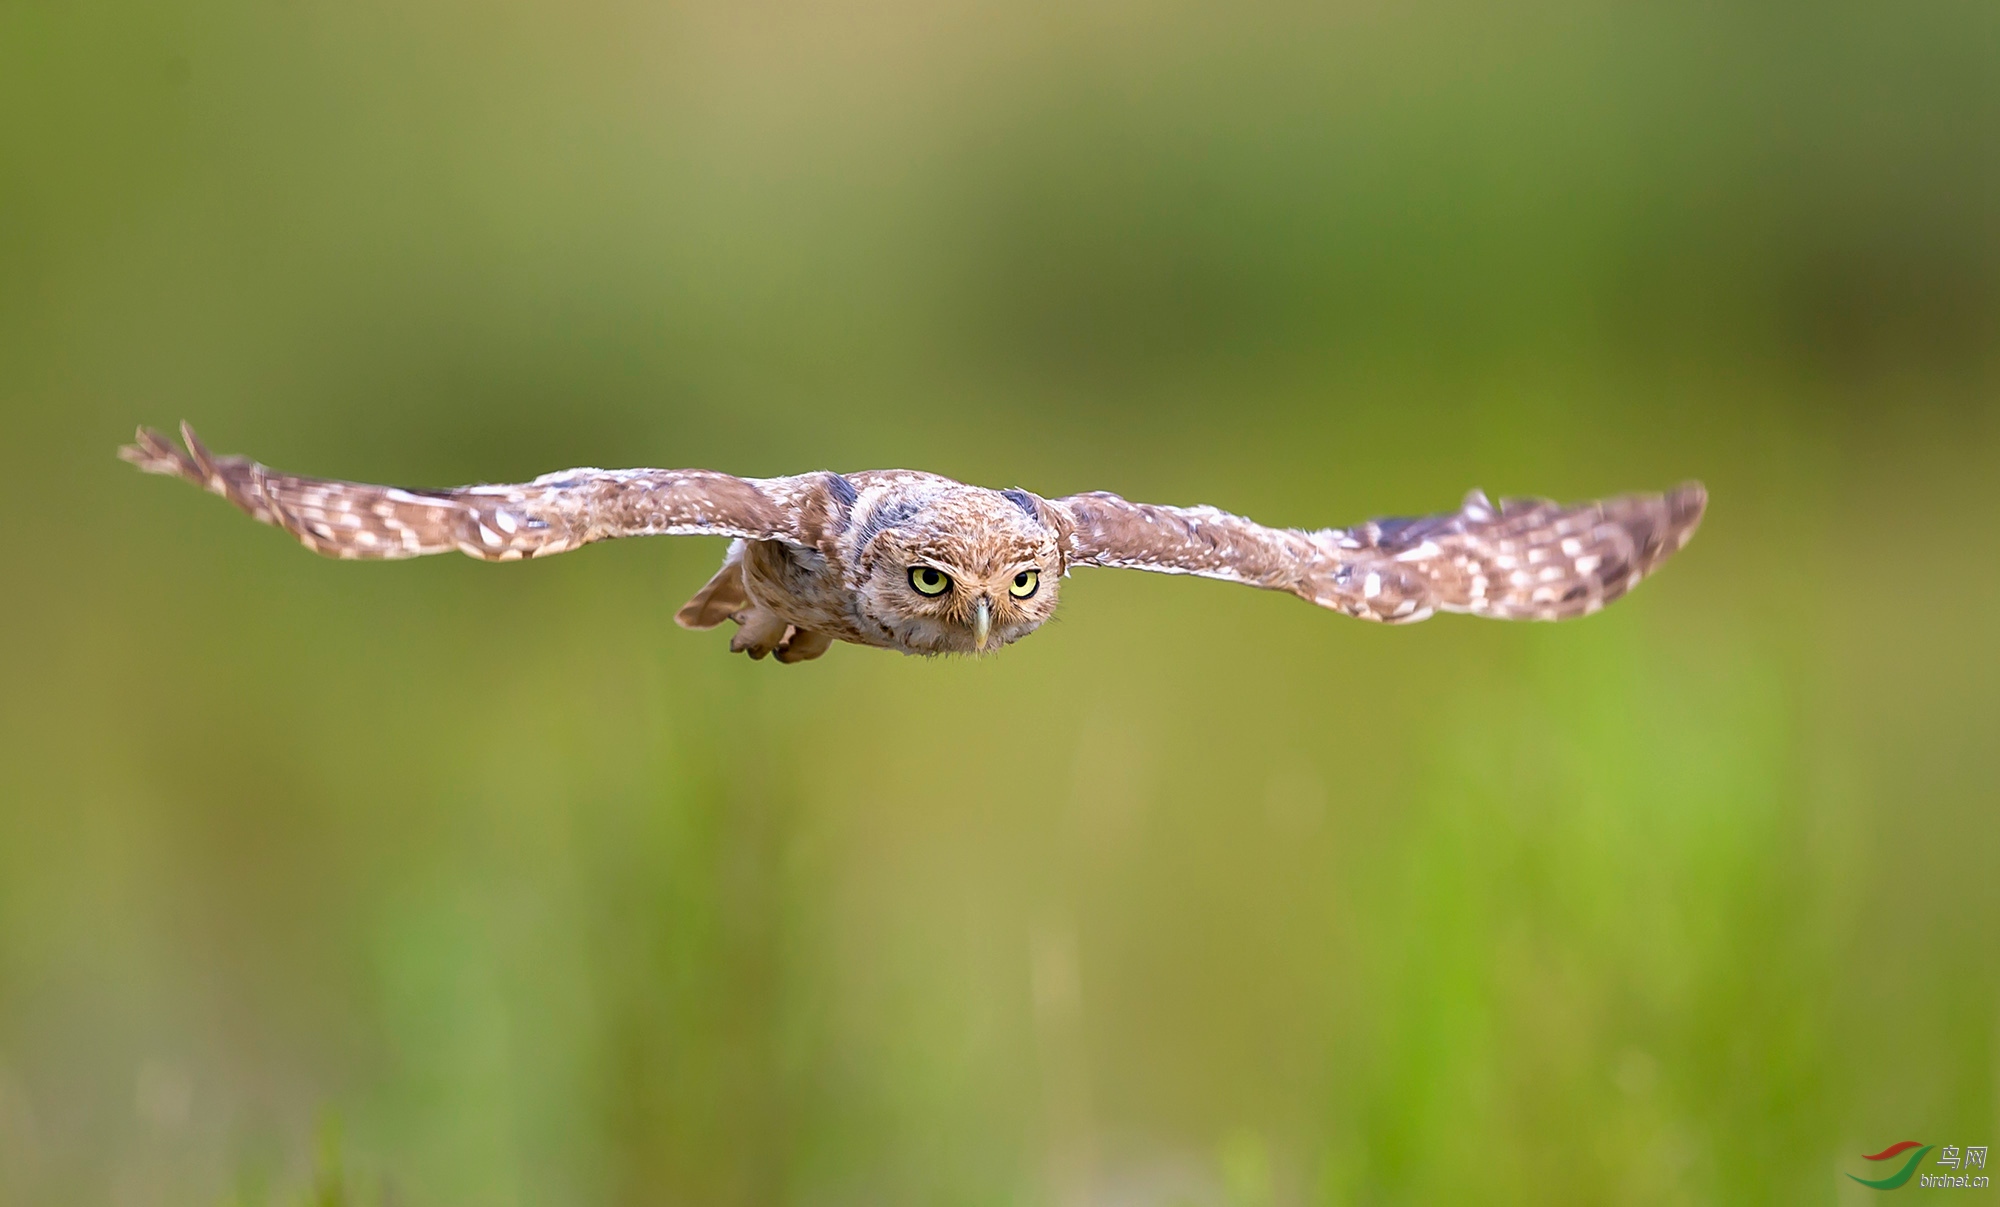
1686, 504
154, 453
197, 451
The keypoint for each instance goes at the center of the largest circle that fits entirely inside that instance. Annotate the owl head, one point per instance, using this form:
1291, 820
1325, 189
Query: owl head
959, 571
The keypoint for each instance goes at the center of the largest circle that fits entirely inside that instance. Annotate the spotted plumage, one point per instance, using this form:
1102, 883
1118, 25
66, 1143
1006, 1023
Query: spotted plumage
920, 563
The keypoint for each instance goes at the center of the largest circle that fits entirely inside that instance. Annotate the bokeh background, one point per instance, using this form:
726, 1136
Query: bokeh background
449, 883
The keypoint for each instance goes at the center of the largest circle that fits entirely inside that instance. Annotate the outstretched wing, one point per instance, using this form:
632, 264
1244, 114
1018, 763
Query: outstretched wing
1525, 559
554, 513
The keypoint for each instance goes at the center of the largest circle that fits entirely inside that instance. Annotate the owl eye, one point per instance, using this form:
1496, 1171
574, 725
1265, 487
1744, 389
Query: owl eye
928, 580
1024, 584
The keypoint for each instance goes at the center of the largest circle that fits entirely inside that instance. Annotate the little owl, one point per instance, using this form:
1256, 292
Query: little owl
914, 562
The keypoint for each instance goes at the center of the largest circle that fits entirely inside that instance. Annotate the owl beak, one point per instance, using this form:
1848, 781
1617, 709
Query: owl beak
982, 623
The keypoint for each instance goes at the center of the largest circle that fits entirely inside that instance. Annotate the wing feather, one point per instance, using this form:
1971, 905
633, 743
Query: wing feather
1524, 559
554, 513
1106, 530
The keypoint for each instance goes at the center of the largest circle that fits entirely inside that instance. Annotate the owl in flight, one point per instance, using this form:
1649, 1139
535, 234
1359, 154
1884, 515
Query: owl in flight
915, 562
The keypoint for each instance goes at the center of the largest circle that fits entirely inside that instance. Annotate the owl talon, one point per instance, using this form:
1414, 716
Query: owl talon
762, 632
804, 646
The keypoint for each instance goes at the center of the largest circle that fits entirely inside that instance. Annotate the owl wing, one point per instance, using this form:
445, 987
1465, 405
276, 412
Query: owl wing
554, 513
1524, 559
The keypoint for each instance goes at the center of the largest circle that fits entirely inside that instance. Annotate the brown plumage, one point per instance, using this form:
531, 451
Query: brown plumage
919, 563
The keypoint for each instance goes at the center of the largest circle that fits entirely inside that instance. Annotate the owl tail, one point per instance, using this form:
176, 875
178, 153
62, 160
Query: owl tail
1525, 559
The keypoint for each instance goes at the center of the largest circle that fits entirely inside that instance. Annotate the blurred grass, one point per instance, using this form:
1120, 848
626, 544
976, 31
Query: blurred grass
447, 883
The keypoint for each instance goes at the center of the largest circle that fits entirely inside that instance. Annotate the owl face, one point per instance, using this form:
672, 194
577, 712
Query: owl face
961, 576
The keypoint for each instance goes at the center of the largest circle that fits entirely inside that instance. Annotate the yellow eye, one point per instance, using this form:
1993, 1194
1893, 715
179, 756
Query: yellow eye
1024, 584
928, 580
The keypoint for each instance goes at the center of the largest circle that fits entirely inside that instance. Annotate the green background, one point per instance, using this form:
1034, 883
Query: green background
450, 883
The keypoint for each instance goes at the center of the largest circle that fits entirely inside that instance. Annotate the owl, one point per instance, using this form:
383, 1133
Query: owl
909, 561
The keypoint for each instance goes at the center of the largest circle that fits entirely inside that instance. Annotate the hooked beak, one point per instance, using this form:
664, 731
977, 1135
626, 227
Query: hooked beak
982, 623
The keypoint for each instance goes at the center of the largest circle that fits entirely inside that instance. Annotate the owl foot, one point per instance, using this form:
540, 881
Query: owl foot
804, 645
763, 631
